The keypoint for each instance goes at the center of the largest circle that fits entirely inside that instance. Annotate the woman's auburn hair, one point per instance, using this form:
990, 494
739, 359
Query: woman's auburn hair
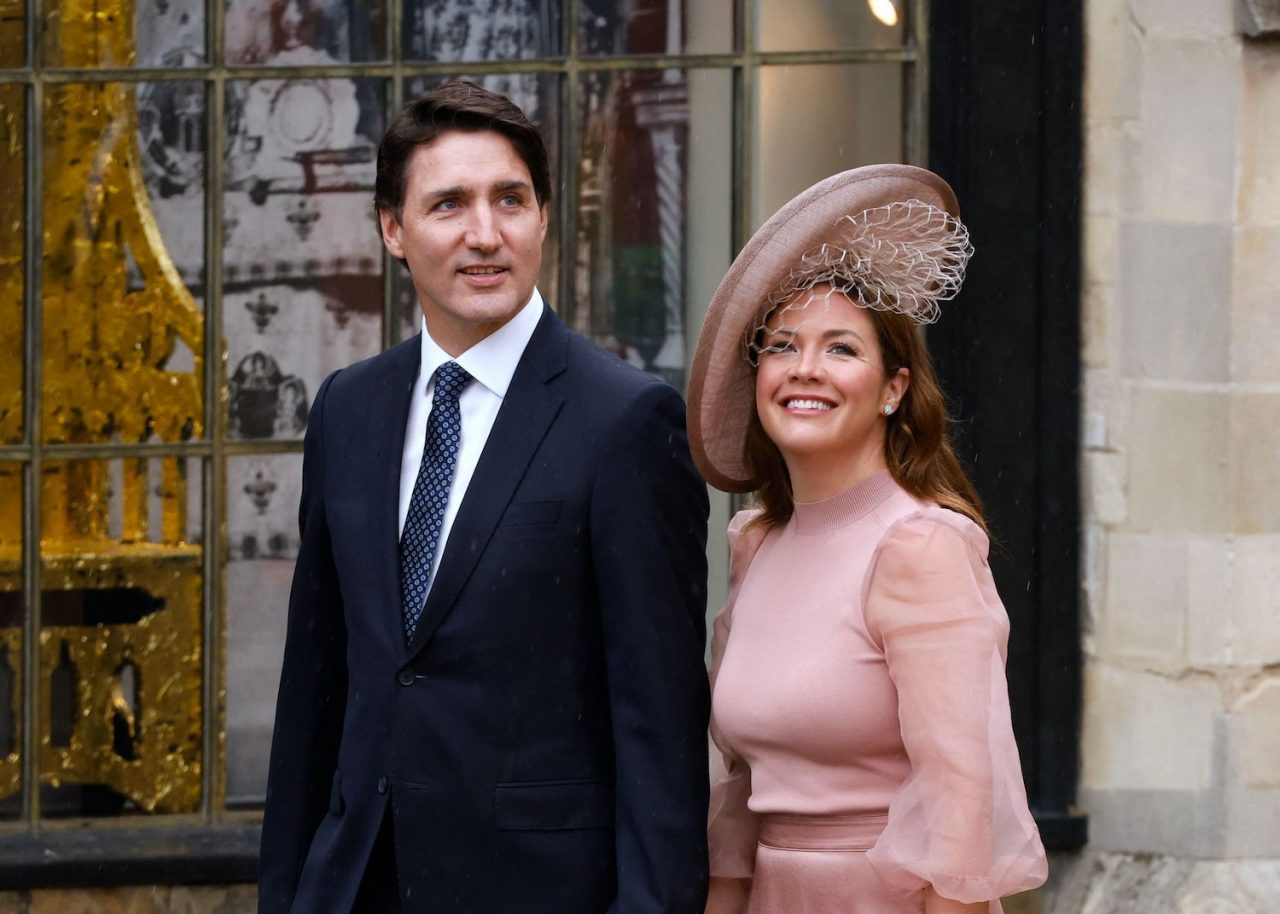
917, 448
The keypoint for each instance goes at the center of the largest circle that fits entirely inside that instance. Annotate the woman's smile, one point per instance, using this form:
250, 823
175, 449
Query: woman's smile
821, 387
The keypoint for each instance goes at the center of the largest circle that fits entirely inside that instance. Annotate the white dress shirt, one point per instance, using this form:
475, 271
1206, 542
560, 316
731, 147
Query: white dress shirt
492, 363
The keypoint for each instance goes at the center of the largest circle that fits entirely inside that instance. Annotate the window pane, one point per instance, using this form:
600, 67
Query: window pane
655, 26
262, 543
537, 96
12, 249
829, 25
304, 32
800, 142
653, 215
170, 33
466, 30
11, 618
13, 47
123, 331
120, 645
123, 33
302, 260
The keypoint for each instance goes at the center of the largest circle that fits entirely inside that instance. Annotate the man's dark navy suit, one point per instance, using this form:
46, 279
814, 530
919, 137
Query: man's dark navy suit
541, 743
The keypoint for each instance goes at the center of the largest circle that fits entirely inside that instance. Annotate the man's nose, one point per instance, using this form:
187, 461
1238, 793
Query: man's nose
482, 229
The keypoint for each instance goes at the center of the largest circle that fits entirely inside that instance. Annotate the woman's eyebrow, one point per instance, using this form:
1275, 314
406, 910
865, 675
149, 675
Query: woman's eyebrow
841, 331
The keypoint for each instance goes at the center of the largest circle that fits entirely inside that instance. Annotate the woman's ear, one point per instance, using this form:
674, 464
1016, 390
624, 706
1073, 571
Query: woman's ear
896, 387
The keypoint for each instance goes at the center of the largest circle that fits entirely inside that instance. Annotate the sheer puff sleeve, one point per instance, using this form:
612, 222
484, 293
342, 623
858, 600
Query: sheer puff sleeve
732, 829
960, 823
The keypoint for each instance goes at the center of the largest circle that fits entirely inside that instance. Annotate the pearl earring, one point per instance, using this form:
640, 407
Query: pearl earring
888, 409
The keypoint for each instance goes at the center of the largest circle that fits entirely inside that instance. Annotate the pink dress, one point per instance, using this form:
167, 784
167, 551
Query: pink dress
860, 701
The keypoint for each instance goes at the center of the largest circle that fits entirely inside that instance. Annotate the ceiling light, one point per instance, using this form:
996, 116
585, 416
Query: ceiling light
884, 10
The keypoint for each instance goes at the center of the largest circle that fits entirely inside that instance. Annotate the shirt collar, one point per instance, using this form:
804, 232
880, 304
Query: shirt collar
493, 360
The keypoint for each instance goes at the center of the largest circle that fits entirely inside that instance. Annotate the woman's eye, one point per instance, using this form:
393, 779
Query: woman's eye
842, 349
780, 346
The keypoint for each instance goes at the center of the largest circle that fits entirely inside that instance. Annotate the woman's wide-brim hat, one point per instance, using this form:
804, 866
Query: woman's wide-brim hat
722, 382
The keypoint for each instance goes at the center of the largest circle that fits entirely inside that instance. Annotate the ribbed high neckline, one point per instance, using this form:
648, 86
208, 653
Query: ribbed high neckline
850, 505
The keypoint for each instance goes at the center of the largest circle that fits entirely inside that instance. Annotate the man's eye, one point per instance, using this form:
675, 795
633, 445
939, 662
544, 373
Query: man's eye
447, 204
510, 200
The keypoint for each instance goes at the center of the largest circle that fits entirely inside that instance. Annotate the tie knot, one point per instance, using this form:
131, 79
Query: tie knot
451, 380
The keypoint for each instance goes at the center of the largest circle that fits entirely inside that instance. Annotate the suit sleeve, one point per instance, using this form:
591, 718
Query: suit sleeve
648, 540
312, 696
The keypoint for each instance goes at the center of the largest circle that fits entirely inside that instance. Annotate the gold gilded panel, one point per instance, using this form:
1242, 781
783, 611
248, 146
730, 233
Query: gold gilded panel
13, 49
115, 307
12, 281
123, 33
11, 618
120, 667
137, 733
89, 33
116, 310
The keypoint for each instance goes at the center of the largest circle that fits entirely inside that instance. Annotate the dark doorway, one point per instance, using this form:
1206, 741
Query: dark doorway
1005, 131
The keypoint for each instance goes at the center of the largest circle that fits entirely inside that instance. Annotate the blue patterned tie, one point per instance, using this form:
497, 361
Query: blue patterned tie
421, 534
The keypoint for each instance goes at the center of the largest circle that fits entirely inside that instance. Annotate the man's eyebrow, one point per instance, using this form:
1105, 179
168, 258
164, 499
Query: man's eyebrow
459, 190
456, 191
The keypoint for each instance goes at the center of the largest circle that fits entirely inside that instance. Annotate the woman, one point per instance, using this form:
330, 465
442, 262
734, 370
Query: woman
858, 679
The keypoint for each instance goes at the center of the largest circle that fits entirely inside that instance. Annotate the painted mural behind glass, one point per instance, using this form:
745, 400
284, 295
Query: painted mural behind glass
126, 283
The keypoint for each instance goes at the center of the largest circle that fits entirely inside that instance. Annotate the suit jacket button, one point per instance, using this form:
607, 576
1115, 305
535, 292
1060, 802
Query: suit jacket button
405, 677
382, 785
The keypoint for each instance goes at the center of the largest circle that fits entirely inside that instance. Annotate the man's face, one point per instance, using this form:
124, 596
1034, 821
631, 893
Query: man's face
471, 232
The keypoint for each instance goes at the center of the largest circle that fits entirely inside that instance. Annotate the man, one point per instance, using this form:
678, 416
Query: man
493, 696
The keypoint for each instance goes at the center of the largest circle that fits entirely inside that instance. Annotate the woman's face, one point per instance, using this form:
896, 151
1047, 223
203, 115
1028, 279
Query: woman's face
820, 384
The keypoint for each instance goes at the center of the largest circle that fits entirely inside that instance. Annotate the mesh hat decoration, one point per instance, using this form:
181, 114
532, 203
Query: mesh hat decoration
888, 236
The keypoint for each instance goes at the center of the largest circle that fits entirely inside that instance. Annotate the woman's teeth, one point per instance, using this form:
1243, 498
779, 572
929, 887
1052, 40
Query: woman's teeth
807, 404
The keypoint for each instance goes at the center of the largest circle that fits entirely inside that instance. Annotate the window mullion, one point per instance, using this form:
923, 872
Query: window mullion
32, 576
213, 482
392, 100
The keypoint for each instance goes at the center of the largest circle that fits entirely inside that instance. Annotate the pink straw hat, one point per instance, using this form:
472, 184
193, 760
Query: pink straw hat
722, 384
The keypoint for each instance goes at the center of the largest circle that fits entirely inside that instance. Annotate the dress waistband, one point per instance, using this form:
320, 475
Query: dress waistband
821, 833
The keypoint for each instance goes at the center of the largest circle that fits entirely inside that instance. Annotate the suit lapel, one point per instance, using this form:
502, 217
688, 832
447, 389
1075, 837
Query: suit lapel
389, 413
526, 413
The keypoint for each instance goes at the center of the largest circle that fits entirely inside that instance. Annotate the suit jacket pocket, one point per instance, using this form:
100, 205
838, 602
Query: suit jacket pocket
525, 513
553, 805
336, 804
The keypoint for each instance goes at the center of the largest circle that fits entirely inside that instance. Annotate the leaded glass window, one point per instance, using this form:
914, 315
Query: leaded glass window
187, 248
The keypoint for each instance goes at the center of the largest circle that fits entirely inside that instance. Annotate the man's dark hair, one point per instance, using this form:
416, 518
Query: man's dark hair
457, 105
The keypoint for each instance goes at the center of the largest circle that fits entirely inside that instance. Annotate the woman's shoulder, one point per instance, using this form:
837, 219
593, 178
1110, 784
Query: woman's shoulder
930, 564
746, 532
744, 520
926, 527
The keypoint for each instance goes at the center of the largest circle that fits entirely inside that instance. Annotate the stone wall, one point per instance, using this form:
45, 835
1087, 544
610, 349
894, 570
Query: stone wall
1181, 746
233, 899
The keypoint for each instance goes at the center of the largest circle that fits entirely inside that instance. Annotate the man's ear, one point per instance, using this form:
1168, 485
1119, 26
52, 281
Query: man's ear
390, 233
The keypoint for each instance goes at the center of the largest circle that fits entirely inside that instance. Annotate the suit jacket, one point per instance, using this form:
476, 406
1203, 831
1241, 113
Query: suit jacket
542, 741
